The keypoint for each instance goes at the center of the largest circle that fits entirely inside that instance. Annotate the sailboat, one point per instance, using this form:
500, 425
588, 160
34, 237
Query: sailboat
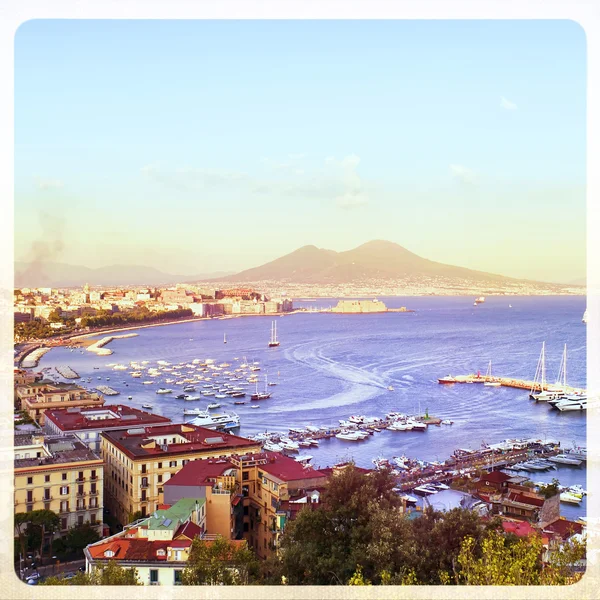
584, 318
274, 342
224, 338
540, 376
488, 377
261, 395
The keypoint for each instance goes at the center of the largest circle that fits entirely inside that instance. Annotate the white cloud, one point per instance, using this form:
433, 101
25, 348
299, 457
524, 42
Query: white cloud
49, 184
507, 104
463, 173
149, 169
351, 200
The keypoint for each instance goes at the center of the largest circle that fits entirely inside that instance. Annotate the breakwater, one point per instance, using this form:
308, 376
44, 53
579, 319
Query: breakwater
98, 347
67, 372
31, 358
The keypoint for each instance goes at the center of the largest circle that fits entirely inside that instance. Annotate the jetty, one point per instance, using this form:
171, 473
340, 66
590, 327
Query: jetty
67, 372
107, 391
522, 384
98, 347
30, 357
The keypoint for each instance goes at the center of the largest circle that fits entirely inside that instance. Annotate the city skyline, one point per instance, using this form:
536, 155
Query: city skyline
199, 146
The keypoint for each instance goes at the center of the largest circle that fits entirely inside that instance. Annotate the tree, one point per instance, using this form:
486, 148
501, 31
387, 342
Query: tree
55, 316
551, 489
357, 578
111, 574
220, 562
81, 536
47, 521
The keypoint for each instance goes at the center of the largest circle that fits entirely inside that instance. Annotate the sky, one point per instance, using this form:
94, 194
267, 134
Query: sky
203, 146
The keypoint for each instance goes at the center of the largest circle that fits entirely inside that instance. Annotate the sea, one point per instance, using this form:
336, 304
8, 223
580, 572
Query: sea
330, 366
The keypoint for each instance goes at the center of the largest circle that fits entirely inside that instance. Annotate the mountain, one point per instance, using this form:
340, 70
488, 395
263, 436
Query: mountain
63, 275
374, 260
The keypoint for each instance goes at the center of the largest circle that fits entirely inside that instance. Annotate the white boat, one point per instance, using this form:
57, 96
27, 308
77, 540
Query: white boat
400, 426
570, 498
288, 444
447, 422
129, 397
213, 405
147, 382
358, 419
489, 380
208, 393
272, 446
448, 379
570, 404
190, 398
584, 318
312, 428
417, 425
216, 421
119, 368
273, 341
255, 406
146, 405
390, 388
164, 363
220, 396
224, 338
563, 459
261, 395
479, 300
163, 391
352, 436
305, 459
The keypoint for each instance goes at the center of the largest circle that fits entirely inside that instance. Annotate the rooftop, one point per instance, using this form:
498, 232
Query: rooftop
173, 516
107, 417
287, 469
200, 472
143, 442
67, 449
564, 528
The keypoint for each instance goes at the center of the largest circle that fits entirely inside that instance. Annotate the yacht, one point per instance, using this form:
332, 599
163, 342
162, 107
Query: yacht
353, 436
213, 405
146, 405
272, 447
288, 444
273, 341
190, 398
570, 498
400, 426
216, 421
356, 419
163, 391
565, 460
572, 403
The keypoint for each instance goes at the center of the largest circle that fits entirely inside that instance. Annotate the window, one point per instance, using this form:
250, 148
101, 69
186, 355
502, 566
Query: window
160, 552
29, 496
160, 490
143, 468
265, 481
63, 523
29, 480
143, 495
109, 553
245, 476
160, 467
260, 475
47, 494
159, 478
64, 490
80, 520
245, 510
274, 486
64, 506
94, 475
80, 477
177, 577
92, 519
80, 490
46, 478
93, 488
245, 526
64, 476
172, 463
153, 575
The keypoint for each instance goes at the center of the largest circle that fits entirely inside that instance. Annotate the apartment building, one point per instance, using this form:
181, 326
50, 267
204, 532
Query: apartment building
216, 482
139, 461
88, 423
38, 397
61, 475
157, 546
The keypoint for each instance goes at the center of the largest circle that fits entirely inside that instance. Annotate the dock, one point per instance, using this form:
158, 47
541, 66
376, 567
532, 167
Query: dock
67, 372
107, 391
522, 384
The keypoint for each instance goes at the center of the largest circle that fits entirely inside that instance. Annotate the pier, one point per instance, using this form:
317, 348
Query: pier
98, 347
107, 391
67, 372
514, 383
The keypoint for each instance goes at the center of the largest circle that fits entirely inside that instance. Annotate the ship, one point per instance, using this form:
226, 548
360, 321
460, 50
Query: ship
215, 421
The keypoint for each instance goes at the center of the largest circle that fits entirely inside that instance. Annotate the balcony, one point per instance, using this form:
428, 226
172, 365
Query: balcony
80, 494
144, 485
93, 493
80, 480
81, 507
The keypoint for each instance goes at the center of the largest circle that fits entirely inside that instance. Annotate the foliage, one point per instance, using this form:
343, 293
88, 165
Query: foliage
32, 528
562, 564
111, 574
81, 536
220, 562
550, 490
32, 330
357, 578
135, 516
137, 315
55, 316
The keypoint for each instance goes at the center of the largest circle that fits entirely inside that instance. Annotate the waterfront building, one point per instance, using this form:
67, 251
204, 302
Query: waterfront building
157, 546
269, 481
58, 474
140, 460
38, 397
88, 423
359, 306
216, 482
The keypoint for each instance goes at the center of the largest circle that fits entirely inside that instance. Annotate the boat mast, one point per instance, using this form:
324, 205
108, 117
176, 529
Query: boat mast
565, 370
543, 359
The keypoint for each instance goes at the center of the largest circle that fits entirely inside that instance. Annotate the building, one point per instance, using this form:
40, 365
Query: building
269, 481
38, 397
88, 423
216, 482
140, 460
157, 546
359, 306
61, 475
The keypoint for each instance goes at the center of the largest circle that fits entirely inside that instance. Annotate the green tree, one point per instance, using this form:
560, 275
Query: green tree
47, 521
81, 536
551, 489
220, 562
357, 578
55, 316
111, 574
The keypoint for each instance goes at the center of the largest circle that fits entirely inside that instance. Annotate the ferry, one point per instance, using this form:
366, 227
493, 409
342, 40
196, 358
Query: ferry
216, 421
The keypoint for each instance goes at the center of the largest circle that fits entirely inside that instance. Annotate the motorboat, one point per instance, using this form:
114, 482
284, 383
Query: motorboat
448, 379
216, 421
570, 498
272, 446
163, 391
400, 426
352, 436
213, 405
146, 405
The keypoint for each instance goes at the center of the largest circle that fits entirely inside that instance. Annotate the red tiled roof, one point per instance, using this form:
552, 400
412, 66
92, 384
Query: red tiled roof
520, 529
496, 477
130, 549
189, 530
288, 469
198, 439
197, 472
180, 544
516, 497
564, 528
69, 420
